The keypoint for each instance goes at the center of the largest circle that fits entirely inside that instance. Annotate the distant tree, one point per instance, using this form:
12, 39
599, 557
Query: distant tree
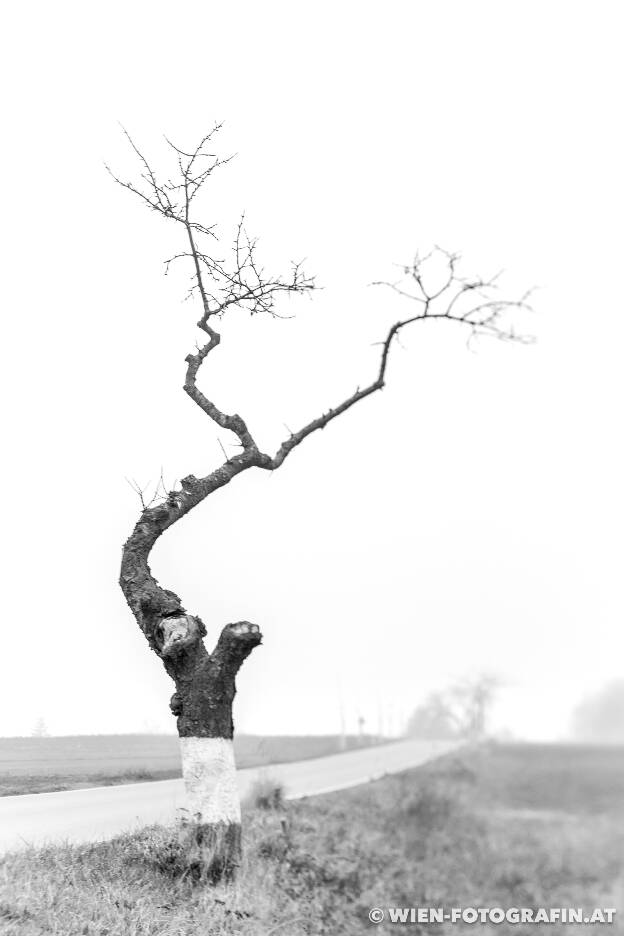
40, 729
433, 719
599, 717
471, 702
224, 281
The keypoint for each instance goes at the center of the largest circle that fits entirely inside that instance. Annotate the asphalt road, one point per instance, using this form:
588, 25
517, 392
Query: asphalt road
102, 812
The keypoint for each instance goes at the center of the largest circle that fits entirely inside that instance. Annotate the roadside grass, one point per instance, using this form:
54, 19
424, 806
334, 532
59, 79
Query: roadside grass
569, 777
43, 765
480, 828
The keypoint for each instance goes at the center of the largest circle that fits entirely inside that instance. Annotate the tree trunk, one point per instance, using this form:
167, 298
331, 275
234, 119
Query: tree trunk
205, 682
205, 689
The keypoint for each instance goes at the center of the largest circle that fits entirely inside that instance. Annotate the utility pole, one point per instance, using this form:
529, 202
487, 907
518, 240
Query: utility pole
342, 741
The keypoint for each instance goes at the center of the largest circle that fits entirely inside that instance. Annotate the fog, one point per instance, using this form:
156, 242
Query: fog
465, 520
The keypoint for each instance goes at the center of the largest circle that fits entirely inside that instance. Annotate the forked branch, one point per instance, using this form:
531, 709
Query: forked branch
470, 302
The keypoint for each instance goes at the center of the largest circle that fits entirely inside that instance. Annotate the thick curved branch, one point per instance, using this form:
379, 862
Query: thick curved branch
149, 602
234, 423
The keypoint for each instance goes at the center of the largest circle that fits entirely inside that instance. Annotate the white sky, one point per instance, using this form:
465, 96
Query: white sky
469, 518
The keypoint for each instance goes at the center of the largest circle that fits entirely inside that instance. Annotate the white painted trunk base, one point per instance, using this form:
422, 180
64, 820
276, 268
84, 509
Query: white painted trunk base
209, 774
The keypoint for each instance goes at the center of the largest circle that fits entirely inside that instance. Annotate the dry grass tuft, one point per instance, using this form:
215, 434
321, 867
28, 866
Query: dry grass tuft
266, 793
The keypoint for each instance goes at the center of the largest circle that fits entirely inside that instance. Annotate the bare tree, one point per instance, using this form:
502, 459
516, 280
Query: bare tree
470, 703
205, 680
461, 711
40, 729
433, 719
